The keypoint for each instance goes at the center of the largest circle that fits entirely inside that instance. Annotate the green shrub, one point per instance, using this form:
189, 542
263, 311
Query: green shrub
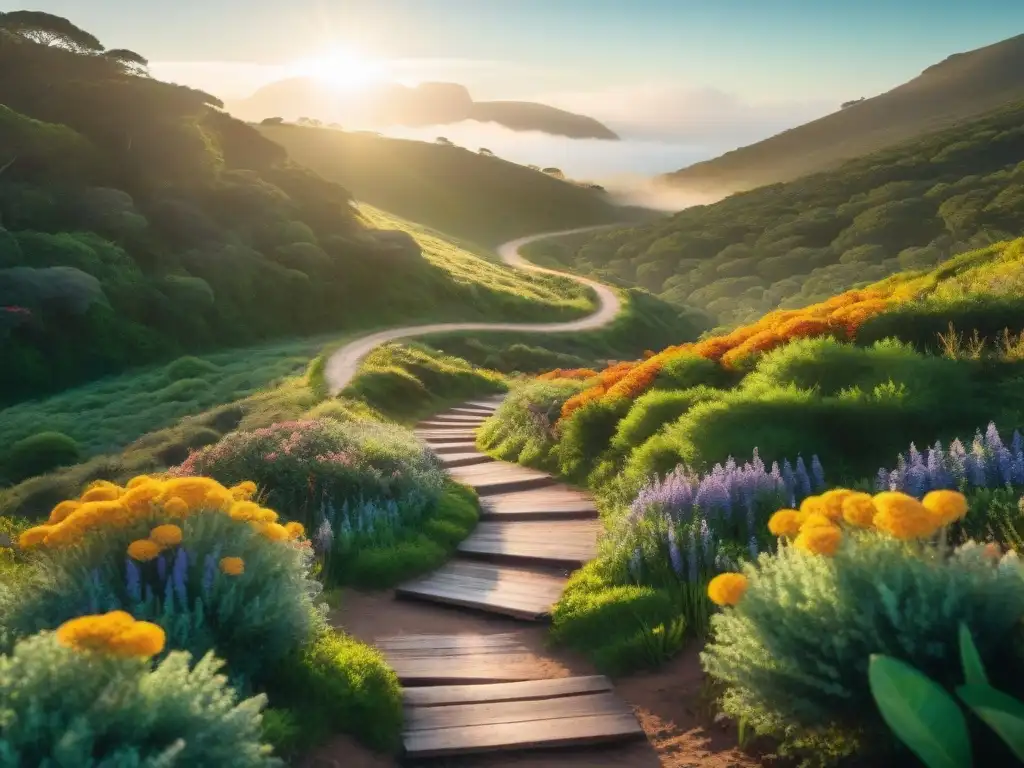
686, 371
654, 410
37, 455
921, 322
66, 707
337, 684
794, 651
189, 367
586, 434
183, 390
250, 620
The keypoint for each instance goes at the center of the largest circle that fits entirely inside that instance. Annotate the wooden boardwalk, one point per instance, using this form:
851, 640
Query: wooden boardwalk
467, 694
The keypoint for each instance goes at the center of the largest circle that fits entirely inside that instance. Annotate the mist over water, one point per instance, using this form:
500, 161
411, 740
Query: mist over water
625, 168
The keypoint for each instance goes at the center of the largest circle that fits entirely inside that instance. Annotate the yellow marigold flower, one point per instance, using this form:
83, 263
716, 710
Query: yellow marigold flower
859, 510
193, 490
62, 510
138, 480
232, 566
816, 520
903, 516
812, 505
143, 550
785, 522
34, 536
819, 540
139, 497
244, 511
275, 532
219, 499
727, 588
176, 507
115, 632
167, 535
946, 506
832, 503
244, 491
101, 490
295, 529
266, 515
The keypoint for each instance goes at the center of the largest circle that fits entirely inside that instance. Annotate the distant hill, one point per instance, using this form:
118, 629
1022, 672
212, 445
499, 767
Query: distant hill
451, 189
394, 104
962, 86
789, 245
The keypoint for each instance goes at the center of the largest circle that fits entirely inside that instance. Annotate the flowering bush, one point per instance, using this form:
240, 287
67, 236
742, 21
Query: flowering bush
354, 486
214, 570
71, 698
861, 575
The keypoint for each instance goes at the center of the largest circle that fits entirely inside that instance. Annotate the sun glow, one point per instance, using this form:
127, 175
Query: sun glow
342, 69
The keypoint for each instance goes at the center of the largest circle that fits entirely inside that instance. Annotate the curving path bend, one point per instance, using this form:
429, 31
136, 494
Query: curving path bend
344, 362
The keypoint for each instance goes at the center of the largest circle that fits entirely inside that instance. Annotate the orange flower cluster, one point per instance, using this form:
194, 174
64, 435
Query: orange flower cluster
841, 316
568, 373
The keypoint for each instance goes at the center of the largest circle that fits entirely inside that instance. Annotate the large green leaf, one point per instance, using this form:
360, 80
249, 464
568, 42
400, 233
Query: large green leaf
1002, 713
974, 670
920, 712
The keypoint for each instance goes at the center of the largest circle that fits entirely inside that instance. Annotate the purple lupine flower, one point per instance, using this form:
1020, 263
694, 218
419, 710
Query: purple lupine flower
161, 568
882, 480
818, 473
992, 440
133, 580
916, 479
209, 574
179, 576
1017, 443
789, 480
323, 539
693, 557
803, 483
674, 555
634, 564
752, 548
958, 461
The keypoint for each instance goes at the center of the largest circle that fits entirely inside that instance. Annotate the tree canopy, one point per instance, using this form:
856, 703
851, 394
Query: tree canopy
50, 30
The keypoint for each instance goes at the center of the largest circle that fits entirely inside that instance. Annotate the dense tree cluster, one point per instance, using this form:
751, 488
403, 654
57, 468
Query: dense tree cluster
139, 221
789, 245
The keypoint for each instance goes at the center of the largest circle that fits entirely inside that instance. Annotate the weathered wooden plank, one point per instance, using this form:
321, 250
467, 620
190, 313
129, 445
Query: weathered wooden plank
564, 732
501, 477
525, 712
460, 446
467, 459
436, 424
399, 643
458, 418
465, 670
556, 502
530, 607
443, 695
444, 435
470, 410
561, 543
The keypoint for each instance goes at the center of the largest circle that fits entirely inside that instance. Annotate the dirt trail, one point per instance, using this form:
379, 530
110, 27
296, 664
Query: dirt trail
344, 362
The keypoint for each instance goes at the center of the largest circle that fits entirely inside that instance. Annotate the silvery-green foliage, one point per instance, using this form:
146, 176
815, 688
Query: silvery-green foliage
251, 621
62, 708
794, 652
523, 427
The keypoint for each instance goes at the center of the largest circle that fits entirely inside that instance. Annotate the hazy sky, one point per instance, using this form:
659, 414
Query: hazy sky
756, 61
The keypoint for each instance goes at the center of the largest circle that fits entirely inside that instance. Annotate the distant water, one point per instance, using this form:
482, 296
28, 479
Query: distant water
585, 159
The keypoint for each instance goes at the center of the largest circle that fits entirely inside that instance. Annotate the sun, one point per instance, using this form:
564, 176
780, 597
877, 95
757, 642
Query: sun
342, 69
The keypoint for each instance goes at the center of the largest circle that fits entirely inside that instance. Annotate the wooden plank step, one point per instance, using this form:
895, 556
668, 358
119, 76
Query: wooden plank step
460, 418
438, 436
572, 720
558, 502
436, 424
463, 446
561, 543
466, 459
469, 410
501, 477
507, 590
442, 660
532, 690
484, 405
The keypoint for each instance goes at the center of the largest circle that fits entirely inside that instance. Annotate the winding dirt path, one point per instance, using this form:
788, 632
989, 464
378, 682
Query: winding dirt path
344, 362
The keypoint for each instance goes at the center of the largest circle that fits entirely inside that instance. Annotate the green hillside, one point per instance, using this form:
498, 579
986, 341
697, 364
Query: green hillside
791, 244
139, 222
961, 87
452, 189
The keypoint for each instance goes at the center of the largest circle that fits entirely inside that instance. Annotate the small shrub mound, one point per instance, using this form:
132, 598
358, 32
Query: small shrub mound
37, 455
372, 496
89, 695
213, 569
189, 367
857, 575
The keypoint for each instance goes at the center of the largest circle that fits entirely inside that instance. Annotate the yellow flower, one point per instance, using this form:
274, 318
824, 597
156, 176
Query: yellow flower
62, 510
785, 522
946, 506
167, 535
87, 517
175, 506
295, 529
266, 515
859, 510
219, 499
34, 536
138, 480
832, 503
194, 491
115, 632
275, 532
244, 511
101, 490
727, 588
819, 540
903, 516
812, 505
816, 520
232, 566
143, 550
244, 491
